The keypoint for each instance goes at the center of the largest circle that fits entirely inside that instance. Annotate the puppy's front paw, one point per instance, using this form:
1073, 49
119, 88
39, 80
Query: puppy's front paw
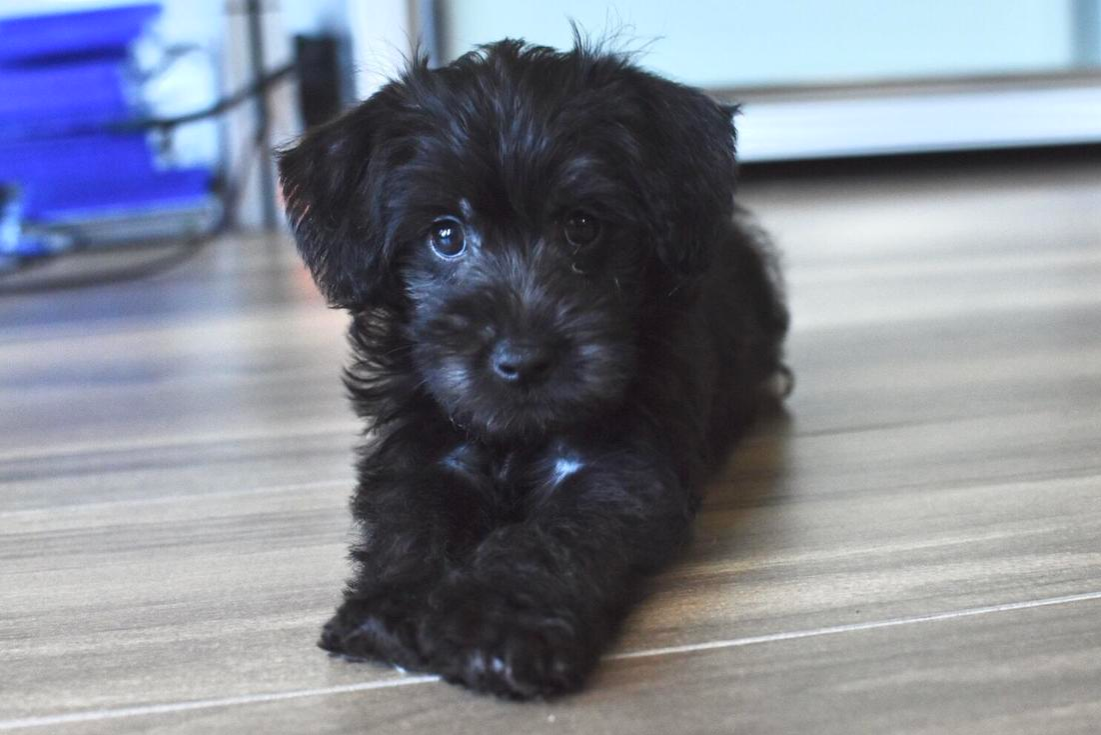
485, 640
381, 627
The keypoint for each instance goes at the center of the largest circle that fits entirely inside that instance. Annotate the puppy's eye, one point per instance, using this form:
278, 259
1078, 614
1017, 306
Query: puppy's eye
581, 228
447, 237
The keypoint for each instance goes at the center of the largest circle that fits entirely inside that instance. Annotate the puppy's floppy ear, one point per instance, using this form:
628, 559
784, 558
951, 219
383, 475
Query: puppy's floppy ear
691, 151
329, 178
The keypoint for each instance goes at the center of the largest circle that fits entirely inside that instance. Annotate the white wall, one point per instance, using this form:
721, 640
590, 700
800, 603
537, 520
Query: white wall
718, 43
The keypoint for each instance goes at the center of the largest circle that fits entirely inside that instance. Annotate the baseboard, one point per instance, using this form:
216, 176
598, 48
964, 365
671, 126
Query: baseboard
905, 123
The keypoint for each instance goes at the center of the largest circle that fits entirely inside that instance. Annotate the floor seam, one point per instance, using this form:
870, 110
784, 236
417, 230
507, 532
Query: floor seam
169, 708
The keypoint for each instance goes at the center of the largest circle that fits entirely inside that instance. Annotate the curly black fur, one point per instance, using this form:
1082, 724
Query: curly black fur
506, 520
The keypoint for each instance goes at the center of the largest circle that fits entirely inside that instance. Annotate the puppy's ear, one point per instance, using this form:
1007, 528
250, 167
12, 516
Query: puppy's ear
693, 171
328, 179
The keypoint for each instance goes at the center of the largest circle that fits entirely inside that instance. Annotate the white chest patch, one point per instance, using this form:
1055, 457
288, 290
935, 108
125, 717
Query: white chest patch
564, 467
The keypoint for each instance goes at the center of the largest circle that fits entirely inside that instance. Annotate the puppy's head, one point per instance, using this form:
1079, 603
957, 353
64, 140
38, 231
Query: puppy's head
521, 214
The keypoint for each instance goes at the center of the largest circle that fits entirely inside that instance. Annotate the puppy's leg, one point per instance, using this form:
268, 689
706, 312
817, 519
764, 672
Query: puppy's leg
416, 515
531, 611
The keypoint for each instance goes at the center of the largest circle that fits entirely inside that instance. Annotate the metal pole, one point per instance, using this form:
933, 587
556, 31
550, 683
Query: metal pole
263, 116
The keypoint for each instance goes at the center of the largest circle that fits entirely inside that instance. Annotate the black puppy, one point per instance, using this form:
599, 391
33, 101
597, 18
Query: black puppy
560, 326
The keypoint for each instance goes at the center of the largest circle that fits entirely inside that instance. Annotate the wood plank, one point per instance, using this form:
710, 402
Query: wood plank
1026, 671
776, 550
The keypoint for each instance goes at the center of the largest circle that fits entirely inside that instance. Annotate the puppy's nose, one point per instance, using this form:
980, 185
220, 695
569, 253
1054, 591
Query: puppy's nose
521, 363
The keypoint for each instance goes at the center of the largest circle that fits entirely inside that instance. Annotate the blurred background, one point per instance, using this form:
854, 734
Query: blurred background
141, 124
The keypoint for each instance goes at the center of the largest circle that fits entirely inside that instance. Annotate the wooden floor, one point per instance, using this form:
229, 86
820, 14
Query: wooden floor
915, 548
